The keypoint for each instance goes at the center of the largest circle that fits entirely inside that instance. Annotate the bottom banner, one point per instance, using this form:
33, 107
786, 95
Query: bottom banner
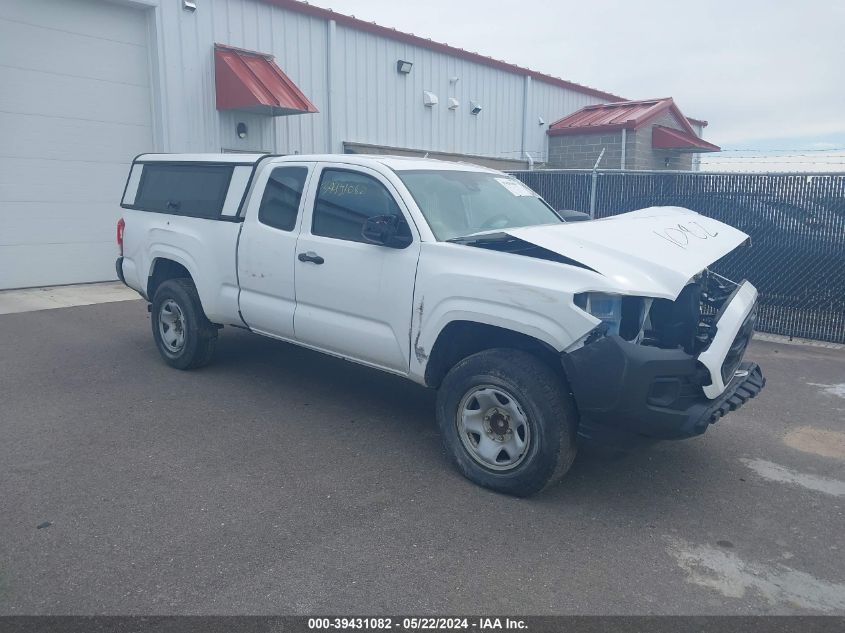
364, 624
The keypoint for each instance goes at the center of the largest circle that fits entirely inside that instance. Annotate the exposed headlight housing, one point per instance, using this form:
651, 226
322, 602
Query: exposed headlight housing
606, 307
623, 315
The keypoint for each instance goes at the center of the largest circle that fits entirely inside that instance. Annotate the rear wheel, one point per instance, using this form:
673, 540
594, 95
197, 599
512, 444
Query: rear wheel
183, 334
507, 420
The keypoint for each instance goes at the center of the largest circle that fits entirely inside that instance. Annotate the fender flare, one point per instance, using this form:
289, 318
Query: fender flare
180, 256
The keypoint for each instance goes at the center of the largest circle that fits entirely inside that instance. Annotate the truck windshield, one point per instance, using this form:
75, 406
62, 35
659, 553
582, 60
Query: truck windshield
460, 203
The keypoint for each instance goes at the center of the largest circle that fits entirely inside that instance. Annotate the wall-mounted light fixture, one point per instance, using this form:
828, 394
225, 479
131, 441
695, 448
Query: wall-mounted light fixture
189, 5
242, 131
454, 80
474, 108
454, 104
430, 99
540, 121
403, 67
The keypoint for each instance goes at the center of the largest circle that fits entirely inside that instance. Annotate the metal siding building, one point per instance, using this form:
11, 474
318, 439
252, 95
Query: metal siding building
350, 75
88, 84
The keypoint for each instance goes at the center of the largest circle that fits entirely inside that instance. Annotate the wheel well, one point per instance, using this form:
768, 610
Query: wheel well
460, 339
164, 269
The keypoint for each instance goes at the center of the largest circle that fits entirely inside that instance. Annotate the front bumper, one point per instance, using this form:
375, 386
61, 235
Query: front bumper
627, 390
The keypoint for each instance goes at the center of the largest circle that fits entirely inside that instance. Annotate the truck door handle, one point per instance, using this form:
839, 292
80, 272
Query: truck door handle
310, 256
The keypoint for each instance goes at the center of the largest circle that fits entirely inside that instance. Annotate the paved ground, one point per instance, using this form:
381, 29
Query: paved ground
282, 481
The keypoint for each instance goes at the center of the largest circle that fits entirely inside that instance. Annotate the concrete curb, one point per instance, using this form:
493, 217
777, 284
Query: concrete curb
789, 340
52, 297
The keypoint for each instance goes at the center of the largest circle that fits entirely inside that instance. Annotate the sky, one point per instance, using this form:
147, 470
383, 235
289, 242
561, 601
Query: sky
768, 76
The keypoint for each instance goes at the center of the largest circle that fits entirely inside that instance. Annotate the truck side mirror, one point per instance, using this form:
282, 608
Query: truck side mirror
569, 215
387, 230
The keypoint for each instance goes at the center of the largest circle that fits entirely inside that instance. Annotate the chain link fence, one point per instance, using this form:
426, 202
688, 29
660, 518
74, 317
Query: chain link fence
796, 223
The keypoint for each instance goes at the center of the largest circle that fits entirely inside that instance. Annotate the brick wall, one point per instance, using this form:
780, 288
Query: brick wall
580, 151
643, 156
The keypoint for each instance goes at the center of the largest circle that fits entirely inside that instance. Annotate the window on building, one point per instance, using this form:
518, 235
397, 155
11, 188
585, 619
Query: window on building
193, 190
345, 200
280, 202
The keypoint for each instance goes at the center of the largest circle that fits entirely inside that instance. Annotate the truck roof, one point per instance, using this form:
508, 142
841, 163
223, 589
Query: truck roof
397, 163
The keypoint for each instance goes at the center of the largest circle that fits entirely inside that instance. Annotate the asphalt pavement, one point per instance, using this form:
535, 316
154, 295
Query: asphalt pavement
282, 481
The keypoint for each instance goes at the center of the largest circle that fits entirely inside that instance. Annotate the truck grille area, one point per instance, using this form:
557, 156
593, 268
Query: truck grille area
689, 322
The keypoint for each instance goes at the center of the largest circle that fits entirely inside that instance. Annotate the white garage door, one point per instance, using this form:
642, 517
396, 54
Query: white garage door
75, 108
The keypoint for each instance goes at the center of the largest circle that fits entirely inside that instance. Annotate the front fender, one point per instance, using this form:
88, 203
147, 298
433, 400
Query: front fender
526, 295
430, 320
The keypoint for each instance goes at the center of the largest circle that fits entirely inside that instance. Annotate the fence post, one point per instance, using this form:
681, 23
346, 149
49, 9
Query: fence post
593, 187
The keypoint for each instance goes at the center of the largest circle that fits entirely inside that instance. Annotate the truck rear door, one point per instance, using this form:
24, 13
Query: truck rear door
267, 248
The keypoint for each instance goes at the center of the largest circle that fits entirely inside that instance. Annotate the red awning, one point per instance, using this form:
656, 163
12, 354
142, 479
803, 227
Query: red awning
252, 81
679, 140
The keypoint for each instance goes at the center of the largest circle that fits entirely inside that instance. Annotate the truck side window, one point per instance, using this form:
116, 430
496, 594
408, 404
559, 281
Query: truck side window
345, 199
192, 190
280, 202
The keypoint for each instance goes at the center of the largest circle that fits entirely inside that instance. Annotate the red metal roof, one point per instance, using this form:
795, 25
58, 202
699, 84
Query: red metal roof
669, 138
631, 115
611, 116
248, 80
416, 40
615, 116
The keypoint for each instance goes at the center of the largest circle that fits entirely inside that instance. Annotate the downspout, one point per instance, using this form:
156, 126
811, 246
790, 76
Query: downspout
622, 163
330, 114
526, 90
624, 144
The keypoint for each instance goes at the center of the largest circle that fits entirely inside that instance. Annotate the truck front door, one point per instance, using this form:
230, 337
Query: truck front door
354, 298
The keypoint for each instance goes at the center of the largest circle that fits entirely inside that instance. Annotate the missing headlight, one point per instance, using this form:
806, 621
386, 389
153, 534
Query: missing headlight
606, 307
621, 315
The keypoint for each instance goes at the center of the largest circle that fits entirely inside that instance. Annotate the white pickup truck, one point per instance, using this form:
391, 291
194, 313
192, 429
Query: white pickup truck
532, 329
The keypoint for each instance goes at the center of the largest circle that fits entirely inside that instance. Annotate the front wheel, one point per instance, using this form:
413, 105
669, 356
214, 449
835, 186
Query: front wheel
507, 420
183, 334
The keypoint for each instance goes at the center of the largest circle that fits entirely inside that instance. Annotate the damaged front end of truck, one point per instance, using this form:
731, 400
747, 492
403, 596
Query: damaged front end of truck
665, 359
666, 369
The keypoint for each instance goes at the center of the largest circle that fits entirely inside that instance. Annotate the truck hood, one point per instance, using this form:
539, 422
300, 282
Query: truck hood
653, 251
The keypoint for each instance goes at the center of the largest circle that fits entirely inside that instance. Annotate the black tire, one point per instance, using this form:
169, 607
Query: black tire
200, 335
541, 394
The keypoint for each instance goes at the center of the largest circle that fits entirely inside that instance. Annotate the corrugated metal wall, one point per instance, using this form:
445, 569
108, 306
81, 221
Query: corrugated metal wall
551, 103
370, 102
380, 106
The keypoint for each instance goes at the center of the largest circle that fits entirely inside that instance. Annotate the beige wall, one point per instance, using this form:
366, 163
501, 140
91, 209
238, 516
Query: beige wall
484, 161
